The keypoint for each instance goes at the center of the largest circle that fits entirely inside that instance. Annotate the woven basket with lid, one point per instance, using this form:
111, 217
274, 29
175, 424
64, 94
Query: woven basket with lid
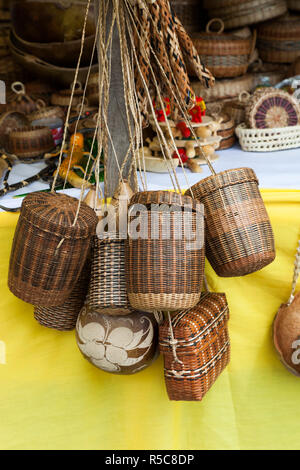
199, 350
164, 269
49, 251
239, 236
64, 317
226, 55
279, 40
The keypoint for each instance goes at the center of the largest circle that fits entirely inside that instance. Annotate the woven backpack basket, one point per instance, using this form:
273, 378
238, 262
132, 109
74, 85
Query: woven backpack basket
164, 268
64, 317
49, 251
196, 348
279, 40
107, 290
226, 55
239, 236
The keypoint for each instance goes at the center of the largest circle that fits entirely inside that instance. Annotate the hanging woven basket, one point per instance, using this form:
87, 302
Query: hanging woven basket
279, 40
107, 290
239, 236
195, 347
226, 55
64, 317
164, 271
49, 251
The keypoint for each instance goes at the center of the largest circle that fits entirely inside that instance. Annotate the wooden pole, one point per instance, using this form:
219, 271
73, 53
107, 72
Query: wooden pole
117, 120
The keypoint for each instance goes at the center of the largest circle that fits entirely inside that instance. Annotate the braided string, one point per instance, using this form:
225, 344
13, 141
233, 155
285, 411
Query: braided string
296, 275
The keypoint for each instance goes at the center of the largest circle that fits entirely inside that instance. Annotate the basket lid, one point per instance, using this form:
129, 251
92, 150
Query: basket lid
222, 180
196, 326
166, 197
55, 213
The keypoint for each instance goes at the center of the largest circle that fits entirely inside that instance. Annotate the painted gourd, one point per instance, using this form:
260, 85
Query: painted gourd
118, 344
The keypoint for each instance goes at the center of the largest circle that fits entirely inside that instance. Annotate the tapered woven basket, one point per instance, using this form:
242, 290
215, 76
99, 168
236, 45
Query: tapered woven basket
31, 141
64, 317
164, 270
107, 290
49, 251
239, 236
226, 55
197, 349
278, 40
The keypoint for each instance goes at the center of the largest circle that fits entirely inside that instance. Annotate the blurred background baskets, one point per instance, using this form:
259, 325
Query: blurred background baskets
268, 140
189, 13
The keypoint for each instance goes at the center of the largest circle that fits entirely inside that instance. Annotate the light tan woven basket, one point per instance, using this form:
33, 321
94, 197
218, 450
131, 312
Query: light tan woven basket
268, 140
249, 12
224, 89
239, 236
164, 268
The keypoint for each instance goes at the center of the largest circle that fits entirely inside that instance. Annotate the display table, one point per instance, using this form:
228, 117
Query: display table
51, 398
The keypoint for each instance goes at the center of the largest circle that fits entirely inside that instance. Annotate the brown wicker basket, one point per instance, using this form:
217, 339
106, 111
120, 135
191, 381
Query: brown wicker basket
226, 55
239, 236
236, 14
189, 12
49, 251
226, 131
31, 141
164, 270
8, 122
46, 112
107, 291
279, 40
62, 98
20, 102
64, 318
195, 347
236, 108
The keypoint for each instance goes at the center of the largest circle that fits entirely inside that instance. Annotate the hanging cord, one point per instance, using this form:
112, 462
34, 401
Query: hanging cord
206, 284
296, 275
173, 341
72, 94
159, 317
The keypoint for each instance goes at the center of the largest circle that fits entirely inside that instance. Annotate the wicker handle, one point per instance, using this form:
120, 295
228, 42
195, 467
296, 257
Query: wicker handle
18, 88
215, 20
78, 86
296, 275
85, 103
244, 96
40, 104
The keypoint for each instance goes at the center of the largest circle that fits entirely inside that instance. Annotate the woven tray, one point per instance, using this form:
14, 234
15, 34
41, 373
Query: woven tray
268, 140
250, 12
224, 89
226, 55
279, 40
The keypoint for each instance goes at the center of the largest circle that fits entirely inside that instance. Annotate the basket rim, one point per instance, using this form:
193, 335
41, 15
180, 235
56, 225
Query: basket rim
166, 197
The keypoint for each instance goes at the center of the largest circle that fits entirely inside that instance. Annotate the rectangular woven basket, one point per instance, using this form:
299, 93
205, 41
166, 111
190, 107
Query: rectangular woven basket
199, 350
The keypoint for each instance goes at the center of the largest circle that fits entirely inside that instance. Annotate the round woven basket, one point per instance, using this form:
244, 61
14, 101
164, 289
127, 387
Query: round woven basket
279, 40
236, 14
20, 102
63, 97
225, 55
30, 142
226, 131
107, 290
236, 108
49, 250
8, 122
164, 268
46, 112
64, 318
189, 12
239, 236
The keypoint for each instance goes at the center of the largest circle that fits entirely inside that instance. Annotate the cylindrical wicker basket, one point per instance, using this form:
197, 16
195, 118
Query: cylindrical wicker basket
279, 40
236, 14
30, 142
226, 55
239, 236
64, 317
189, 12
49, 249
107, 290
164, 269
195, 347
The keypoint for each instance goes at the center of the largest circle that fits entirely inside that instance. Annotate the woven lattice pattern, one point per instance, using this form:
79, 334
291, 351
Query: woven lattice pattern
202, 348
268, 140
49, 251
239, 236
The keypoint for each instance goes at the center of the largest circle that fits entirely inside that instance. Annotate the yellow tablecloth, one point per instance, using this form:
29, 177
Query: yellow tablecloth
51, 398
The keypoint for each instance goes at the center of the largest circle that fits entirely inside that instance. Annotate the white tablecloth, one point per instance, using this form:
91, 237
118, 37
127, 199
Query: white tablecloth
275, 170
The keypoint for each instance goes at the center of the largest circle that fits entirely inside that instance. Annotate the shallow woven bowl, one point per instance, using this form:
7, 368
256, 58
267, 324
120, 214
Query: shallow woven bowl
30, 142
